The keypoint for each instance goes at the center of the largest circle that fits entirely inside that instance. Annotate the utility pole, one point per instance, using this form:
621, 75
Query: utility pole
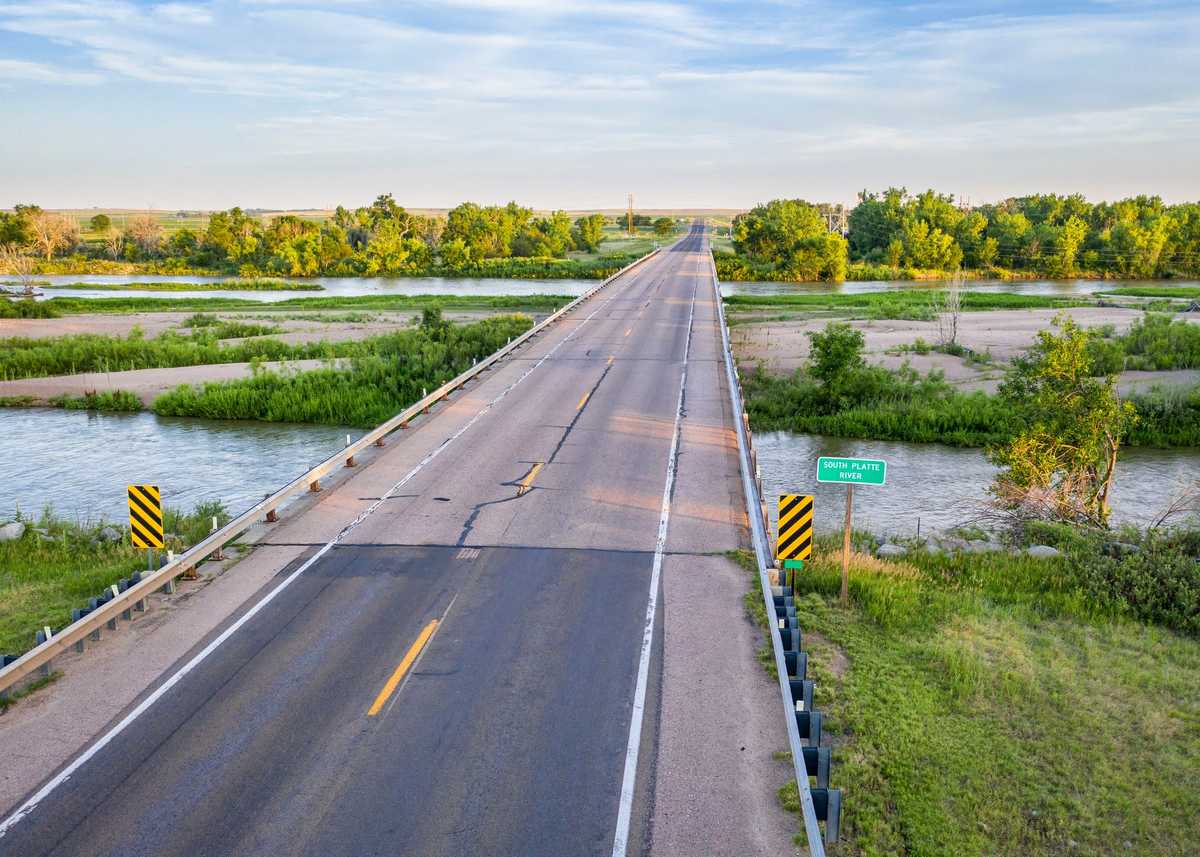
629, 217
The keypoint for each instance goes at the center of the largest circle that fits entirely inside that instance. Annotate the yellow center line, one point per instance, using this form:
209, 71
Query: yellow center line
529, 477
629, 331
405, 665
611, 358
583, 401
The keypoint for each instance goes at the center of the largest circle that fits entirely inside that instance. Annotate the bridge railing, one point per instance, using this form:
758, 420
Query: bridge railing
808, 758
122, 604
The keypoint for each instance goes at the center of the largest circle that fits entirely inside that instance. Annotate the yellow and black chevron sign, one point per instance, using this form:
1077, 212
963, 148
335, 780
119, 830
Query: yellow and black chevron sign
795, 526
145, 516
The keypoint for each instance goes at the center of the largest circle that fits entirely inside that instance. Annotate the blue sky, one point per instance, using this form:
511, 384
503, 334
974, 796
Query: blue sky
288, 103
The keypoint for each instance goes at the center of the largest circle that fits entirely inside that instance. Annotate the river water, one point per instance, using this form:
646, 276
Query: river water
333, 287
945, 486
80, 462
351, 286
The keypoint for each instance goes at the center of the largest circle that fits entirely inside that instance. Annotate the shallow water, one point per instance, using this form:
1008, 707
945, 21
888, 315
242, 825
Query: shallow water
1060, 288
80, 462
944, 486
334, 287
351, 286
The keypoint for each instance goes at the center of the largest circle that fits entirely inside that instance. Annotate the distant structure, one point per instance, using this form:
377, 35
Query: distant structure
835, 217
629, 216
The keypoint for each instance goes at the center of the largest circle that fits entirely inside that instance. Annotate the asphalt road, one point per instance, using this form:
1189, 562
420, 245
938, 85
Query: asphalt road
458, 674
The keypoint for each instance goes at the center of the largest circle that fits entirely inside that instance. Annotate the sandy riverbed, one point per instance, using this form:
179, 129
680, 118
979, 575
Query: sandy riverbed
783, 346
153, 324
148, 384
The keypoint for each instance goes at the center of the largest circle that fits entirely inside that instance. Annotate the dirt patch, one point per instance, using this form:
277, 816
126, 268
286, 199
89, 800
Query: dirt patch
146, 384
783, 346
832, 656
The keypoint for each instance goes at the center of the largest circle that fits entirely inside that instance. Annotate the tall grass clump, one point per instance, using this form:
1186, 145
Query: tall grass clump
57, 565
373, 388
25, 308
108, 400
67, 355
1155, 342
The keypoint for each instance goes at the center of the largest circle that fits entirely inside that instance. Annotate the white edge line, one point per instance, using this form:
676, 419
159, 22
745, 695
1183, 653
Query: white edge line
162, 689
629, 778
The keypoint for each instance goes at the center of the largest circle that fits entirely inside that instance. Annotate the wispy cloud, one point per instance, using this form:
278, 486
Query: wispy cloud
42, 73
586, 96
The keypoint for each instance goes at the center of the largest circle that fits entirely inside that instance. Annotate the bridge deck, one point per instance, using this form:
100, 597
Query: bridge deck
524, 520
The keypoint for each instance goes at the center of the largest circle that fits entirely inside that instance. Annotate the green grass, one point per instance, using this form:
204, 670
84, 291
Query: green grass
899, 303
43, 577
882, 404
1155, 291
112, 400
247, 285
68, 355
220, 328
376, 385
980, 716
1154, 342
25, 308
530, 303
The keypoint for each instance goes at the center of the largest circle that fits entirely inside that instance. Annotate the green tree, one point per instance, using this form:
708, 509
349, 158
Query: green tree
791, 235
1062, 463
589, 232
101, 223
837, 352
664, 227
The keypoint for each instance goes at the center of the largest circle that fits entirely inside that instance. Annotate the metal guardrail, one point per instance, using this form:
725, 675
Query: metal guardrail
39, 657
810, 760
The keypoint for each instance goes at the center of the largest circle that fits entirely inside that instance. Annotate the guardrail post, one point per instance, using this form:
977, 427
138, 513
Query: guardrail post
113, 593
219, 553
44, 635
314, 486
169, 586
380, 442
349, 458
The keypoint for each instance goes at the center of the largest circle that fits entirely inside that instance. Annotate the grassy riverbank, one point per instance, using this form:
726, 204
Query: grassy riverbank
44, 575
235, 285
527, 303
85, 352
984, 703
376, 385
901, 405
900, 303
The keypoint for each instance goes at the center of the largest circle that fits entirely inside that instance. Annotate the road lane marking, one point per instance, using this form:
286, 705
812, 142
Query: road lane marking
409, 656
83, 758
629, 331
529, 477
629, 778
611, 358
583, 401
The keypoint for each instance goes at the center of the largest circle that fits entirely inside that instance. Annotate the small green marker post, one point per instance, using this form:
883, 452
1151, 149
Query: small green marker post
795, 565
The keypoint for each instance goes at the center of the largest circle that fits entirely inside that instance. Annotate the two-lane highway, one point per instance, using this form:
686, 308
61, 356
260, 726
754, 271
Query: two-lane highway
463, 670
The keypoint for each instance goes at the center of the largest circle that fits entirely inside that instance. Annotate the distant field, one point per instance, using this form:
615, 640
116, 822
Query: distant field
197, 220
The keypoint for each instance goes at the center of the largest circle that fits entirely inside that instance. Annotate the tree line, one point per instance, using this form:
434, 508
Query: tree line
1046, 235
376, 240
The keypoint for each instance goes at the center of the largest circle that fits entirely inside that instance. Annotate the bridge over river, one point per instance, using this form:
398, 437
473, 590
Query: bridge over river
513, 631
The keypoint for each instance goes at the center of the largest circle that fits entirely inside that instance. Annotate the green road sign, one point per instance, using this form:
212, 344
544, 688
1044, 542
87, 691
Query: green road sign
852, 471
